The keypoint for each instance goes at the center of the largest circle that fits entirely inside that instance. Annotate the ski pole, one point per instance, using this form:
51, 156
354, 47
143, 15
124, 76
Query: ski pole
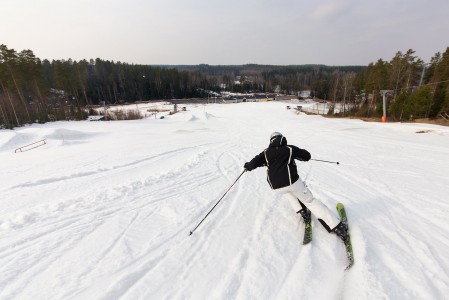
331, 162
217, 203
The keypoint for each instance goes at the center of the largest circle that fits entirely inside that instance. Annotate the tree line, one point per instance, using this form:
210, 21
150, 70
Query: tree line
34, 90
417, 90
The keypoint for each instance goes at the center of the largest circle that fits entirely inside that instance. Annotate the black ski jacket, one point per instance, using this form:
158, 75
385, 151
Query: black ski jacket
280, 161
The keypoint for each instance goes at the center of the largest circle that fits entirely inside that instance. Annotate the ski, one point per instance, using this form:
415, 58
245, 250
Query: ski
307, 216
307, 233
344, 219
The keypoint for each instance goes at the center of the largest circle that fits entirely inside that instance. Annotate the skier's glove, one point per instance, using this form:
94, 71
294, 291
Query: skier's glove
247, 167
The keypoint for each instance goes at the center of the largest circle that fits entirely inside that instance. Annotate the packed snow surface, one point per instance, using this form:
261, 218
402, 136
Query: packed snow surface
103, 210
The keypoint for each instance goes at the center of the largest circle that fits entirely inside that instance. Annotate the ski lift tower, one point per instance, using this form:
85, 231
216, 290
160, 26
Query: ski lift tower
384, 94
424, 66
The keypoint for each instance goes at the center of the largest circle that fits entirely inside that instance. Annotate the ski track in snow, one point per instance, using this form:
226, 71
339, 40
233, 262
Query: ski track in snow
104, 209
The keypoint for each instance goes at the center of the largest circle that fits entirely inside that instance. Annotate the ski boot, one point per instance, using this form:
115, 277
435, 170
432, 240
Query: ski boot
341, 230
306, 215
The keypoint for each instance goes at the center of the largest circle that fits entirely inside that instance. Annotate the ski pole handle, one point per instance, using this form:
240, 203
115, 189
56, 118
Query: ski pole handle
331, 162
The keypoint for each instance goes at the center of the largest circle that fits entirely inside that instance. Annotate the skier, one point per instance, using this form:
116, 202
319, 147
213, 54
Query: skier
283, 177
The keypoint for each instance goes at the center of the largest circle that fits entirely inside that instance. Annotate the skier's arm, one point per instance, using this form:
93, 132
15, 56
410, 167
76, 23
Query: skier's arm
300, 154
257, 161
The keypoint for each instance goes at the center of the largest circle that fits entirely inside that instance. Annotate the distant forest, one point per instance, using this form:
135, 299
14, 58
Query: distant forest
34, 90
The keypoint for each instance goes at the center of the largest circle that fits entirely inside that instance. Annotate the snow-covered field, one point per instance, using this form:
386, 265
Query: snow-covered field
318, 108
103, 210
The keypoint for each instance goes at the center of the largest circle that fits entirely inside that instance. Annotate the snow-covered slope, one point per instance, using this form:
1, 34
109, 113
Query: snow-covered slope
104, 209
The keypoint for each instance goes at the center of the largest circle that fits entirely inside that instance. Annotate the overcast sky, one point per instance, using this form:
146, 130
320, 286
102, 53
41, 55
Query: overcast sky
219, 32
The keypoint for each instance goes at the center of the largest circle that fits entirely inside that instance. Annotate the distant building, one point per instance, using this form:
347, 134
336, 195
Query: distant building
260, 97
257, 97
286, 97
304, 94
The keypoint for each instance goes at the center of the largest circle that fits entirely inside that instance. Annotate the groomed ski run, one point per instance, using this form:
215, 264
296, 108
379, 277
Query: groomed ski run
104, 209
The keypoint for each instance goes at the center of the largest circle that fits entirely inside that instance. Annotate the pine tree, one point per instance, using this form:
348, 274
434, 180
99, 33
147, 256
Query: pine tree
440, 80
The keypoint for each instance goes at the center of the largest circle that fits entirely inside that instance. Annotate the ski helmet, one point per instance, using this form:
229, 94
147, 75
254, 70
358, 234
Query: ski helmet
274, 135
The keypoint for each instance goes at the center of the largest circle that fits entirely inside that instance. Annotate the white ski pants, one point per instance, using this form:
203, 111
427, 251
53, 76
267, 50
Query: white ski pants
298, 190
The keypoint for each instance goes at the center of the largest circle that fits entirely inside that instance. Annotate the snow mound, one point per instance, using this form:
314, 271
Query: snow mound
18, 139
5, 139
194, 117
9, 141
70, 136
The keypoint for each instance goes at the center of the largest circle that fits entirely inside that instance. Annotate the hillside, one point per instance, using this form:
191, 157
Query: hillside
104, 209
